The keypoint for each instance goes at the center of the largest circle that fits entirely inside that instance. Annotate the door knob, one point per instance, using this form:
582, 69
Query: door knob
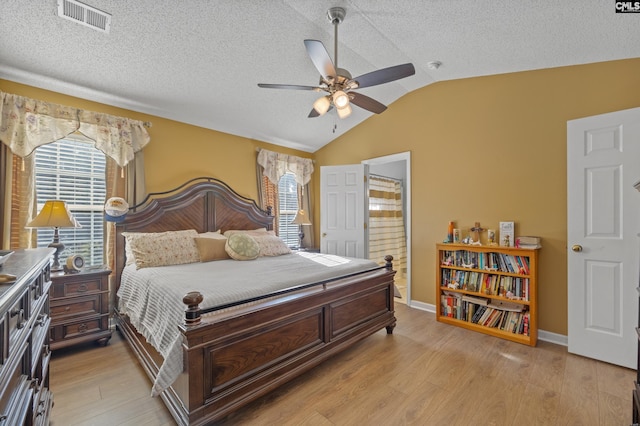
576, 247
324, 234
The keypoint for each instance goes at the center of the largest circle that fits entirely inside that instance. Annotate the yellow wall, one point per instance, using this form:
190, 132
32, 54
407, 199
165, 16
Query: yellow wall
177, 151
492, 149
483, 149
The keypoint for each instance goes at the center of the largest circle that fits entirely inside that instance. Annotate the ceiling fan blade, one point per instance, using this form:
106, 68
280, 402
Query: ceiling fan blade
320, 58
288, 86
385, 75
366, 102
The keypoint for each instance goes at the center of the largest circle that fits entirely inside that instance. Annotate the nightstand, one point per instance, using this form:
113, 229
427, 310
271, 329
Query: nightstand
79, 307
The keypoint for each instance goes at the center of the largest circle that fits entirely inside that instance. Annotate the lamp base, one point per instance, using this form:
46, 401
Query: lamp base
55, 266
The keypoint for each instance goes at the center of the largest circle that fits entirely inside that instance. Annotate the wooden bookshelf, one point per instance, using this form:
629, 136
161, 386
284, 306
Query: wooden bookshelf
471, 280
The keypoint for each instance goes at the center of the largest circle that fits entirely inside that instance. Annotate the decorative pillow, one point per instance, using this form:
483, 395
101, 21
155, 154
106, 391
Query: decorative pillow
162, 248
212, 248
242, 247
271, 245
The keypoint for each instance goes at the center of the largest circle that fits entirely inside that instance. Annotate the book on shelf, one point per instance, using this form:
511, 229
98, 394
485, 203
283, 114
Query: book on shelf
475, 300
506, 306
529, 240
507, 234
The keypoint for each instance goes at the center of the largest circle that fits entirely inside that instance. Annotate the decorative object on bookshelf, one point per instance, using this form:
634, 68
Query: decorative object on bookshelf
489, 289
507, 234
456, 235
450, 233
491, 237
476, 230
528, 242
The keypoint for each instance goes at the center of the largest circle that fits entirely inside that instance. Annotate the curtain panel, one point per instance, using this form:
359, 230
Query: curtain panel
26, 124
271, 166
275, 165
386, 223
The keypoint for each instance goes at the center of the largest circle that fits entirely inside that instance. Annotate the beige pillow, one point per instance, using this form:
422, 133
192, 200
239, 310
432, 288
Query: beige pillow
162, 248
217, 234
271, 245
212, 248
242, 247
252, 232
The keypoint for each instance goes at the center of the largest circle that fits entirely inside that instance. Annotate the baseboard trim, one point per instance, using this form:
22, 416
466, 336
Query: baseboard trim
422, 306
546, 336
550, 337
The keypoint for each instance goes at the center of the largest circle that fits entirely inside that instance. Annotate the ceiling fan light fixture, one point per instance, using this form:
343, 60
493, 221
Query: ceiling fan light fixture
344, 112
321, 105
340, 99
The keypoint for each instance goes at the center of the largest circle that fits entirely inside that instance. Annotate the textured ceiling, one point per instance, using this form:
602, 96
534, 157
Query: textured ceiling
199, 61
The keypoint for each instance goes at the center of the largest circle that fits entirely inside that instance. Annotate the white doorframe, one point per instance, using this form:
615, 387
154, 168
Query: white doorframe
406, 157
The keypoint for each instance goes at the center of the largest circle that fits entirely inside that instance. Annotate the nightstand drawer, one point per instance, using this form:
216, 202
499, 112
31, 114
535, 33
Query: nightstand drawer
62, 310
76, 287
71, 330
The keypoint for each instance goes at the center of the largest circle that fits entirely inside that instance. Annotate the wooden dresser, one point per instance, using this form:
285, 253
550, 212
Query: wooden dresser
80, 307
25, 398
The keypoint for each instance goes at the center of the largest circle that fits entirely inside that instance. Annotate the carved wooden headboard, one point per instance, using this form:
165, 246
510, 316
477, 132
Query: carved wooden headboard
204, 204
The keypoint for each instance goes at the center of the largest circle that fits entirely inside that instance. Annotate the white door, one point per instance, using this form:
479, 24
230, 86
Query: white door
343, 215
603, 163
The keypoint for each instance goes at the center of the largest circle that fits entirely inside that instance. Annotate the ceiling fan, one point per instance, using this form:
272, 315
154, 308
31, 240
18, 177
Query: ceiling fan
337, 82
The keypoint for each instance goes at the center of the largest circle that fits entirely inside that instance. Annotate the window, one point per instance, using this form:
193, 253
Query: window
288, 207
74, 171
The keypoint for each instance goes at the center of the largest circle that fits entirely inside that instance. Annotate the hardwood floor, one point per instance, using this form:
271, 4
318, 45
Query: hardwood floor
426, 373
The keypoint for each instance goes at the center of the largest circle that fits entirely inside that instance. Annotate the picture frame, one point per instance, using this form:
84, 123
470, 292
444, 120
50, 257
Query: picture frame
507, 234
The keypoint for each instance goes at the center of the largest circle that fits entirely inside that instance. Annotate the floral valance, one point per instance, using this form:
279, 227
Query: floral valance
276, 165
26, 124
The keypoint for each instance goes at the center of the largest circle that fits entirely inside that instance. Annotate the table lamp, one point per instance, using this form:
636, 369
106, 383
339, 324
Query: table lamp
54, 214
301, 220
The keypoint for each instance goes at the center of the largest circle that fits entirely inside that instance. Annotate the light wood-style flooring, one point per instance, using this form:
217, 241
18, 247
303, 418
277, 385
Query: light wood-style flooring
426, 373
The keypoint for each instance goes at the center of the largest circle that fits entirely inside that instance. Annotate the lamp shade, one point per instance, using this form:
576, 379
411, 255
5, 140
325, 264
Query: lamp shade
340, 99
321, 105
54, 214
344, 112
301, 218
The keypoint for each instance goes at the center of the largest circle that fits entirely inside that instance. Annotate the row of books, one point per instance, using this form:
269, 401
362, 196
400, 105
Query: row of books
487, 283
491, 261
511, 319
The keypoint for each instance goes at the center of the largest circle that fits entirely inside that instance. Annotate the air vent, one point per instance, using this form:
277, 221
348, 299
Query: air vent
84, 15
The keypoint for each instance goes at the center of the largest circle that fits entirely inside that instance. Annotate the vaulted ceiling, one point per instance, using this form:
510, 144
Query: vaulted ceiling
199, 61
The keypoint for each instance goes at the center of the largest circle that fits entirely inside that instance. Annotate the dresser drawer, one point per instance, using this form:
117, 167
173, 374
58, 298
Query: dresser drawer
16, 321
62, 310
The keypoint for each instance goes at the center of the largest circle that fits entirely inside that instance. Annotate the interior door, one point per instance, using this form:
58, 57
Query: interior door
343, 215
603, 163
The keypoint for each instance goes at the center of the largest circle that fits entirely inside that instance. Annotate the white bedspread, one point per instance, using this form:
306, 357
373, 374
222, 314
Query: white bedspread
152, 297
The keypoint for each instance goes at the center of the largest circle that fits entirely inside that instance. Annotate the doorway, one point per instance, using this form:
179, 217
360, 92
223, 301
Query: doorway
397, 168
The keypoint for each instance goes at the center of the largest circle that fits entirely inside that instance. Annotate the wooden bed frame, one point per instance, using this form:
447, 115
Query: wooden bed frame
236, 356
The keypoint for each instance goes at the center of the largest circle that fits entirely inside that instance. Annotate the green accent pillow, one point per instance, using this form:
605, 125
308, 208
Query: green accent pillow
242, 247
